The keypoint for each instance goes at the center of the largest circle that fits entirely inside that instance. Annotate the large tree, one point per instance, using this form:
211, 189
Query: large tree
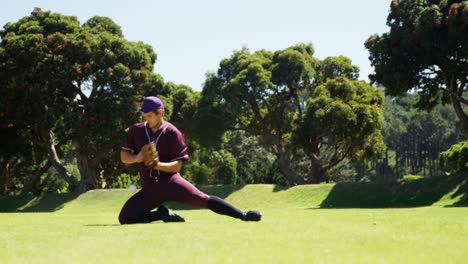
297, 105
426, 50
416, 138
70, 82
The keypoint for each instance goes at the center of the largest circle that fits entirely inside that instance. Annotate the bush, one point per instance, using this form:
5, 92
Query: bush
124, 181
197, 173
225, 167
410, 178
455, 159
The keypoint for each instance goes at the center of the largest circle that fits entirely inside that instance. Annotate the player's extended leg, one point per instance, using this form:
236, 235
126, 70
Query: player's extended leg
138, 208
220, 206
182, 191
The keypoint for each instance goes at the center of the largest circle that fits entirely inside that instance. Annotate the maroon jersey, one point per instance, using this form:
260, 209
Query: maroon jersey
170, 144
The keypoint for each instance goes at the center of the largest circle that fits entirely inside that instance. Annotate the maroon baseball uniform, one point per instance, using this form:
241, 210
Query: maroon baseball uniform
158, 186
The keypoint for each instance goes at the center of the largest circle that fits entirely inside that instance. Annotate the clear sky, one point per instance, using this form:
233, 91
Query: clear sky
191, 37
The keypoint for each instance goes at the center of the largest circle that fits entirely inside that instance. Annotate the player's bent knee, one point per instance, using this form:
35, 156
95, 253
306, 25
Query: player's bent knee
126, 219
122, 220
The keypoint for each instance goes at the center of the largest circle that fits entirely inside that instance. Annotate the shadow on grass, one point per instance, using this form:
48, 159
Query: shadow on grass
150, 223
280, 188
31, 203
462, 194
423, 192
102, 225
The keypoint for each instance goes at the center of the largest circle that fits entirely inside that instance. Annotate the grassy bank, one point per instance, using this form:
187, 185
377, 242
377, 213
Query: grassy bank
441, 191
72, 228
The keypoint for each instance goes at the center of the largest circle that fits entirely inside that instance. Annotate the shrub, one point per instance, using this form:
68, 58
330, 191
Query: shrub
455, 159
225, 167
197, 173
409, 178
124, 181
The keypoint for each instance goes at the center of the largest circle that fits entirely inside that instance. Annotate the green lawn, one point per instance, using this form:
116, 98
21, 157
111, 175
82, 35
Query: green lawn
294, 229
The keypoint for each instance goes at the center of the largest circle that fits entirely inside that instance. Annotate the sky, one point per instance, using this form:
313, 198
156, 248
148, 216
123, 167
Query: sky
192, 37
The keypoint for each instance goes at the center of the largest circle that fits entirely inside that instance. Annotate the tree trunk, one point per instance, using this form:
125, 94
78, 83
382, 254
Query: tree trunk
455, 95
57, 164
292, 177
423, 163
89, 172
385, 165
5, 177
319, 174
48, 137
32, 184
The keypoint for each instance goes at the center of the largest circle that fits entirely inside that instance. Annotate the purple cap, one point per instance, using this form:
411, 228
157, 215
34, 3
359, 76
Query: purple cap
151, 103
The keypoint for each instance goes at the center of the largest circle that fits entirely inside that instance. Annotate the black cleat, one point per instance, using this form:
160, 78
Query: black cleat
252, 216
168, 216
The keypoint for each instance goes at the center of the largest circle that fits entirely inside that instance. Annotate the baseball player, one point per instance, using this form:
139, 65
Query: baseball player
160, 178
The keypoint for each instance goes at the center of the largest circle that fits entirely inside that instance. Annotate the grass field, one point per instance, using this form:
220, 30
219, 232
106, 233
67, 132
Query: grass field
295, 229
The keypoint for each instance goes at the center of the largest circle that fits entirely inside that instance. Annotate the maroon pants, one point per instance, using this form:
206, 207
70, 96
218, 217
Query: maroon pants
153, 194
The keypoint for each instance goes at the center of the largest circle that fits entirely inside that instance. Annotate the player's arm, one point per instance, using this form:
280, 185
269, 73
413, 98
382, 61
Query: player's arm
177, 152
128, 158
128, 151
172, 166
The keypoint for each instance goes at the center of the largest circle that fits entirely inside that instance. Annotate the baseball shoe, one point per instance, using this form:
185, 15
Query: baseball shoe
252, 216
169, 216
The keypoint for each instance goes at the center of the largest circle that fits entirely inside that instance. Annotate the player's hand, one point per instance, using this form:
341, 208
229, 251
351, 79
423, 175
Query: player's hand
149, 156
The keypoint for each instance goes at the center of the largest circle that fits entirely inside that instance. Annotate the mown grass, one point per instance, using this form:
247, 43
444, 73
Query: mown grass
295, 229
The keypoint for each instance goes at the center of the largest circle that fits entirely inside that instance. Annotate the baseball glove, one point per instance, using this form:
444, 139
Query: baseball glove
150, 155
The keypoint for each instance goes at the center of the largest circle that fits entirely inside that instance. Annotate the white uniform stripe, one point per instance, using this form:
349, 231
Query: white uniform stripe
179, 158
156, 144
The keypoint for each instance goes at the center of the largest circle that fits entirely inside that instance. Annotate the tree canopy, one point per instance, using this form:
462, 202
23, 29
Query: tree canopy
65, 82
298, 105
425, 50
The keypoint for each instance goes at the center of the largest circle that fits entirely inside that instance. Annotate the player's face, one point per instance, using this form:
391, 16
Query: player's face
153, 119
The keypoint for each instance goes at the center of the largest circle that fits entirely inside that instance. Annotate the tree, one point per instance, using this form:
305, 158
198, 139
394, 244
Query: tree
344, 117
75, 83
415, 138
273, 95
26, 70
184, 105
426, 50
254, 163
21, 161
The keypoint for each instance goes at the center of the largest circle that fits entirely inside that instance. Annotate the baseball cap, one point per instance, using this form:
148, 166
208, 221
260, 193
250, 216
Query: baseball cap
151, 103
